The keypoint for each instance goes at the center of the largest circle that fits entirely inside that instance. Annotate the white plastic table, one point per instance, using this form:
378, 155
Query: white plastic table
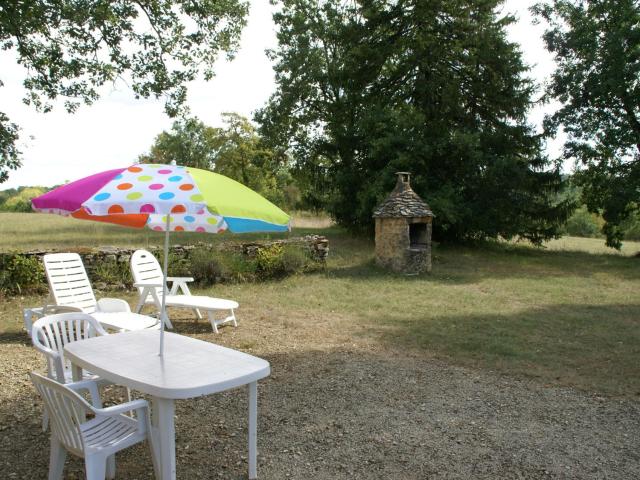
189, 368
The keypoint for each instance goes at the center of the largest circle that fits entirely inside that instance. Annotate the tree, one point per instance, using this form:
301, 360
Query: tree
19, 200
235, 150
596, 44
190, 142
371, 87
70, 49
9, 153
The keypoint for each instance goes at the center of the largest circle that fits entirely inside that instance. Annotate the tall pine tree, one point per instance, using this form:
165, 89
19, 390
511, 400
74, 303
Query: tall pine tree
370, 87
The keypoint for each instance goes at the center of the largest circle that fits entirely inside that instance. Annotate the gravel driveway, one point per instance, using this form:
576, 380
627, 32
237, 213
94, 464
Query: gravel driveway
334, 409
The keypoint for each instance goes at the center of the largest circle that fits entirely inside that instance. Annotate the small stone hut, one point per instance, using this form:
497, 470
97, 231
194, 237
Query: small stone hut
403, 230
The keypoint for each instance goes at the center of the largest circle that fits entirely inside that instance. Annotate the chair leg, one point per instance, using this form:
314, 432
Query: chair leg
233, 316
213, 321
111, 466
45, 420
197, 312
95, 467
57, 457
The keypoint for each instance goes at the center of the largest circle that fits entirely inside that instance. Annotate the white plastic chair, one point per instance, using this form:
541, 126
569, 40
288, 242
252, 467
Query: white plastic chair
50, 335
70, 289
96, 439
148, 279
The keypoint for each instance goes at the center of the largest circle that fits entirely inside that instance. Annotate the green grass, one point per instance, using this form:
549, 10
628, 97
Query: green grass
567, 317
568, 314
25, 231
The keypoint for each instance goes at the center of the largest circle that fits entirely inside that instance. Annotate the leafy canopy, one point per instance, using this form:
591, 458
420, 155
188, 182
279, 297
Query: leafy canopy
596, 44
235, 150
19, 199
366, 88
71, 48
189, 142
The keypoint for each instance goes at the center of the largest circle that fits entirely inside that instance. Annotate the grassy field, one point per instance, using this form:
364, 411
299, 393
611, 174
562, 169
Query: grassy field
24, 231
567, 314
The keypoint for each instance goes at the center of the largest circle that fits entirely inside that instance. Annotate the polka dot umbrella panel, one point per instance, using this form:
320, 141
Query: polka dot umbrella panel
143, 195
146, 189
202, 221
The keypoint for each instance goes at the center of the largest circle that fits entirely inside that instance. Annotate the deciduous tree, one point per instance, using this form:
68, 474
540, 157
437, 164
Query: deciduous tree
234, 150
71, 48
596, 44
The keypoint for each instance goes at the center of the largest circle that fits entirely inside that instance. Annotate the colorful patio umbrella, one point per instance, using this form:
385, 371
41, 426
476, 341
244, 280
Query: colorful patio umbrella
165, 198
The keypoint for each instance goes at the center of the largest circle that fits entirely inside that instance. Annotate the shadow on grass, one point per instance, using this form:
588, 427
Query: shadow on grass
460, 265
592, 347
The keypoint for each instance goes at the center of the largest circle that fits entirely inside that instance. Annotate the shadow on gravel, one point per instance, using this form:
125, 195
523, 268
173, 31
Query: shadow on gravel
593, 347
356, 415
18, 338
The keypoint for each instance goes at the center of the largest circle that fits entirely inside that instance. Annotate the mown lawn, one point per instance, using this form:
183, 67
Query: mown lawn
562, 315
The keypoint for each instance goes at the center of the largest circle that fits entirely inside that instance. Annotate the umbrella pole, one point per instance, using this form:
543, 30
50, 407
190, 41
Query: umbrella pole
163, 310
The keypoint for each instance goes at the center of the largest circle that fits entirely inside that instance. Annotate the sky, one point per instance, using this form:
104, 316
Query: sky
59, 147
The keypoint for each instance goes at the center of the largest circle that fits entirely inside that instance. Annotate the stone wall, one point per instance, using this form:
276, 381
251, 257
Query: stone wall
392, 239
118, 257
393, 248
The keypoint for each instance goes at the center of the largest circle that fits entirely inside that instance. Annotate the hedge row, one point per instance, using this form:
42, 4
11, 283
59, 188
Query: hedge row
24, 272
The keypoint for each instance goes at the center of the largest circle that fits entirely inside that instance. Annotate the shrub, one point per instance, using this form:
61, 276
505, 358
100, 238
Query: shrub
238, 267
269, 261
21, 273
25, 273
277, 261
179, 266
295, 260
112, 273
208, 267
583, 224
631, 227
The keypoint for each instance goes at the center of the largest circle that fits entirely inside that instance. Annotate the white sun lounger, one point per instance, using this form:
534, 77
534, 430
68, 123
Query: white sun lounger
70, 290
148, 279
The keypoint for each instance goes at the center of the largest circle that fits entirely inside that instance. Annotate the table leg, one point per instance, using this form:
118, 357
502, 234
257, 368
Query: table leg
164, 433
76, 373
253, 430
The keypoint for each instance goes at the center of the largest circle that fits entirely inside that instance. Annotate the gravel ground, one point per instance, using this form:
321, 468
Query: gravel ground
334, 409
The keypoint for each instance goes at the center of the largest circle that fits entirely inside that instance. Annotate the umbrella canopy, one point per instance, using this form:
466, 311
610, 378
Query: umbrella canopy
140, 195
165, 198
203, 221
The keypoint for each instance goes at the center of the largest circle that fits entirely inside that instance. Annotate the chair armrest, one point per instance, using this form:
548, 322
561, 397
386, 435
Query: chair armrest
53, 309
141, 407
42, 348
148, 285
180, 279
109, 305
124, 408
180, 283
91, 386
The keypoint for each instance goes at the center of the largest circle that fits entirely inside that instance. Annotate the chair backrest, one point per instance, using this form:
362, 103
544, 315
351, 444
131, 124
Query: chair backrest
68, 281
67, 411
146, 269
50, 334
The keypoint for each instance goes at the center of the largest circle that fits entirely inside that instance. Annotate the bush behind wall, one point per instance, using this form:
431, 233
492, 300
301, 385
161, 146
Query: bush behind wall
108, 268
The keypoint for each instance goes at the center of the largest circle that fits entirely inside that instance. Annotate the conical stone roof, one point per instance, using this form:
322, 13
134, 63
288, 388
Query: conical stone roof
403, 201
